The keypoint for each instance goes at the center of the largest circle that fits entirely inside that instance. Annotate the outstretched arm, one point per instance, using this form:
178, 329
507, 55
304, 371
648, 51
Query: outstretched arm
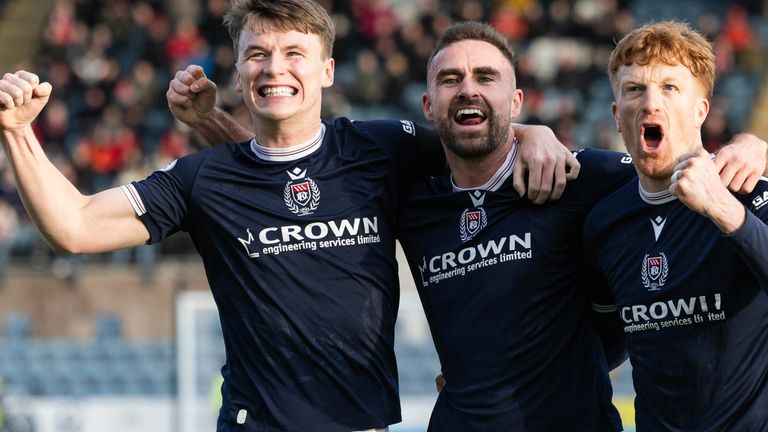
192, 100
69, 220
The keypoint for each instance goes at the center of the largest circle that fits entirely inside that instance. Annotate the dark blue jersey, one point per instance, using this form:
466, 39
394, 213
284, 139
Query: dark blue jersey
504, 288
300, 257
694, 309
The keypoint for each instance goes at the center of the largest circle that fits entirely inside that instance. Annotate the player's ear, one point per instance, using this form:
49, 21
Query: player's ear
517, 103
329, 66
702, 109
426, 106
615, 112
238, 82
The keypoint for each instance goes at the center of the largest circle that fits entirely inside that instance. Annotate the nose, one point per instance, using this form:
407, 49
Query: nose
274, 65
467, 89
652, 101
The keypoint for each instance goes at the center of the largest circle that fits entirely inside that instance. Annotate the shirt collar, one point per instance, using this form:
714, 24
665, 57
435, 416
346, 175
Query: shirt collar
501, 174
287, 154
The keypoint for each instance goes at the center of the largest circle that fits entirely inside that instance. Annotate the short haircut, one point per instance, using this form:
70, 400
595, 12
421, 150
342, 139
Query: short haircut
305, 16
472, 30
669, 42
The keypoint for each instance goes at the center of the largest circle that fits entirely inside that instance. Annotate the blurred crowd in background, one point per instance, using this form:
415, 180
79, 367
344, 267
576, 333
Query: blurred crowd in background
110, 63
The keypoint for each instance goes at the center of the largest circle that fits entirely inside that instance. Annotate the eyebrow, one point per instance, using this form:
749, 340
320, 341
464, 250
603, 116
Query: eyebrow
255, 47
482, 70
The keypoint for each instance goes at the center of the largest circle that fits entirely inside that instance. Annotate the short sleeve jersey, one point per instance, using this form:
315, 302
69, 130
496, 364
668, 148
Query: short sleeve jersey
299, 254
504, 289
693, 305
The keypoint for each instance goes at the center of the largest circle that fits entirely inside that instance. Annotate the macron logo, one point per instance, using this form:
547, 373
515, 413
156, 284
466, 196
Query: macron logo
658, 225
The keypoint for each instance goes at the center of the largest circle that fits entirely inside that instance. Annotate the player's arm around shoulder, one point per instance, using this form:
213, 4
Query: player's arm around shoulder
544, 164
67, 219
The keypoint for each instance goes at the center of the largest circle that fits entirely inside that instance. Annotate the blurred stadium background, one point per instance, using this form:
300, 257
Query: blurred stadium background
128, 341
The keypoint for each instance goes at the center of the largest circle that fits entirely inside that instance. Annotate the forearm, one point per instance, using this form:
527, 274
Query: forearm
219, 126
609, 330
727, 213
751, 243
66, 218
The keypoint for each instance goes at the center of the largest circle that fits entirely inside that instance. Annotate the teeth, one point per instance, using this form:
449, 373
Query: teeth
277, 91
469, 111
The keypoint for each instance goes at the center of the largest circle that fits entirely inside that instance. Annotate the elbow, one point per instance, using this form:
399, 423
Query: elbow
64, 245
59, 247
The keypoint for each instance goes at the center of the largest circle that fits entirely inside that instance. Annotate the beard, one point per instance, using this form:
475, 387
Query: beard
473, 145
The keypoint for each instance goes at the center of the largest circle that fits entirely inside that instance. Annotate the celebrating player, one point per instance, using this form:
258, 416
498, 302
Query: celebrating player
685, 259
503, 282
295, 227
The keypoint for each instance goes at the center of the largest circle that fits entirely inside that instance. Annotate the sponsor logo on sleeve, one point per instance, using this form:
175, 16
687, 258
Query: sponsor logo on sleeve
408, 127
760, 201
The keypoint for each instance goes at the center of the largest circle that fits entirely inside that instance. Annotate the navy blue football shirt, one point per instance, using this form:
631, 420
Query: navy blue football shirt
299, 251
505, 292
693, 305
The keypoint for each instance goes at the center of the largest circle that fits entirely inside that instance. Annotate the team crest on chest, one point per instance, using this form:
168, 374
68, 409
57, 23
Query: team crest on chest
301, 193
654, 271
473, 220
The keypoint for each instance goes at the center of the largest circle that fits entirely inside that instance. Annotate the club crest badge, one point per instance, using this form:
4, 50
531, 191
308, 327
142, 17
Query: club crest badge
654, 272
301, 193
473, 220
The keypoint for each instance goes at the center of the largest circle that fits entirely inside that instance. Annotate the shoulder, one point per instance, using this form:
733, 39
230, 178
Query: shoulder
603, 159
185, 168
382, 130
613, 207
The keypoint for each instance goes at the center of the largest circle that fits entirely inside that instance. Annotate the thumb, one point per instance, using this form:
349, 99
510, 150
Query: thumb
203, 85
42, 91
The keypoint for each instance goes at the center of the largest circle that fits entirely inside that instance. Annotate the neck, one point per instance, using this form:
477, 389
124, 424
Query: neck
658, 184
284, 133
473, 173
653, 185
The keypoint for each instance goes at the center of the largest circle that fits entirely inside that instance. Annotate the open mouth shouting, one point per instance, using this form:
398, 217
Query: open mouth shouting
277, 91
470, 116
651, 135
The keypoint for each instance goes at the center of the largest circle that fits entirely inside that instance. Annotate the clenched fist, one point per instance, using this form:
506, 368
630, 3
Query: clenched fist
22, 97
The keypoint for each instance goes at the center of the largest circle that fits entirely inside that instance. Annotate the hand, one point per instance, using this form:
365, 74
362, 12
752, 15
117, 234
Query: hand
545, 159
697, 183
440, 382
742, 162
191, 95
22, 97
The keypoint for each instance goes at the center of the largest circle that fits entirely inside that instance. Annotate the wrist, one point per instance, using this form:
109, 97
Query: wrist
728, 214
16, 133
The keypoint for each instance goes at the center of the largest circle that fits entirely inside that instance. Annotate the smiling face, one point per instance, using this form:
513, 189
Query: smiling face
282, 73
471, 97
659, 111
